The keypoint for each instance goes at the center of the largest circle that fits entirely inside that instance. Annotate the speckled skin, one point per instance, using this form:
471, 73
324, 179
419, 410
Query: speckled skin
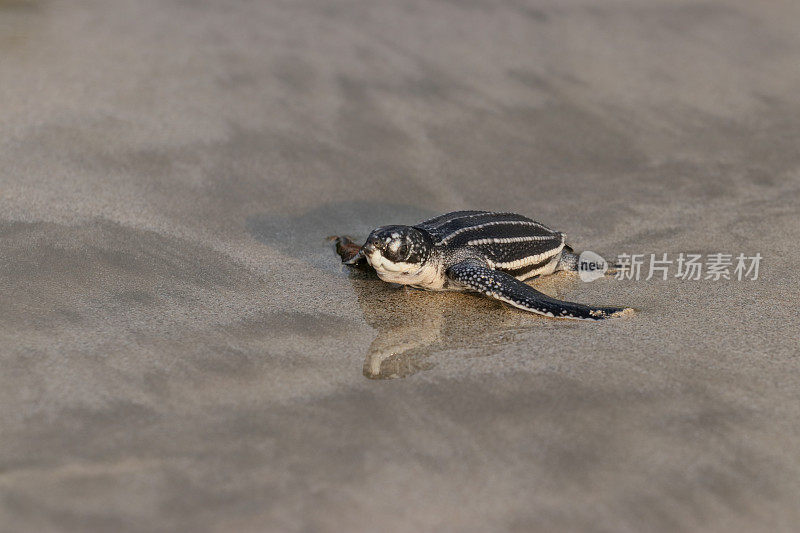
480, 251
501, 286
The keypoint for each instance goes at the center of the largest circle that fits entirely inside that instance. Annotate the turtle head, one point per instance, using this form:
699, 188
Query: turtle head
397, 249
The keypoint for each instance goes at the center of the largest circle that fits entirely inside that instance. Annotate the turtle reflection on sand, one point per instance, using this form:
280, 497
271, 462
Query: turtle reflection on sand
414, 324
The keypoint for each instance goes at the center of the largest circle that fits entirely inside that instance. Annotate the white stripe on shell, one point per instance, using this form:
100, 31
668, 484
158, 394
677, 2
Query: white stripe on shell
507, 240
525, 261
487, 224
459, 217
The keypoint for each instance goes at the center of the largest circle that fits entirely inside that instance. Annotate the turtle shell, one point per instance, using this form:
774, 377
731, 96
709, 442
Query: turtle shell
507, 241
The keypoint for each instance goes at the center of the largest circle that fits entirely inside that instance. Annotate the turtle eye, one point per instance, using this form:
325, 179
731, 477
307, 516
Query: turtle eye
398, 250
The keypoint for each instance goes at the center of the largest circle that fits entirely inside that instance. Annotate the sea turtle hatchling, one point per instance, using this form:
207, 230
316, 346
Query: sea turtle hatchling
480, 251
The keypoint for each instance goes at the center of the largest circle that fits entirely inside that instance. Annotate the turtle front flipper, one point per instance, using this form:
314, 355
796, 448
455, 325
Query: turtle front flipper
349, 251
473, 275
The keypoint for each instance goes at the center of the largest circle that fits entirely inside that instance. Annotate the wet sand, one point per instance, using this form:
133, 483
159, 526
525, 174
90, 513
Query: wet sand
180, 349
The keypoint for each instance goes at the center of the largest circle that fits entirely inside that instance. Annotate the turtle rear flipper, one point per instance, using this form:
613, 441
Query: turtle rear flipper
568, 260
473, 275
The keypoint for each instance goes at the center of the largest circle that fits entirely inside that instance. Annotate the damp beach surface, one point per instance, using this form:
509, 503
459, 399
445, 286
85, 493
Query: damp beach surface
181, 349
